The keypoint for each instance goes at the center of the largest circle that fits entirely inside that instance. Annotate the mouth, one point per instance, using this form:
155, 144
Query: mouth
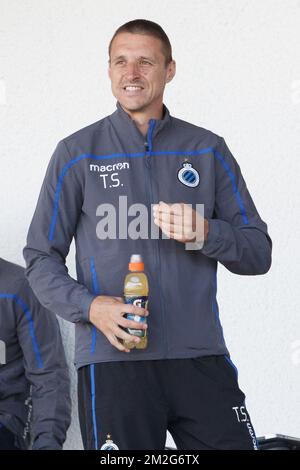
133, 89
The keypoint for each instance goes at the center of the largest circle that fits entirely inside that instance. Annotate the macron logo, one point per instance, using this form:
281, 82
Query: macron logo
114, 167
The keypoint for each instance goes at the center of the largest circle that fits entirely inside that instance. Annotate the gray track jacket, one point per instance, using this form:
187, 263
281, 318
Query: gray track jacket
34, 379
176, 162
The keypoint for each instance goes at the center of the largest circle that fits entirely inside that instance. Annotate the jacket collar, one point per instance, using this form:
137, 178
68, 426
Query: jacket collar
122, 120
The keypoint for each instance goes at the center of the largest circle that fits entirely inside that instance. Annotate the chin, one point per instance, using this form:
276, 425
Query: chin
131, 105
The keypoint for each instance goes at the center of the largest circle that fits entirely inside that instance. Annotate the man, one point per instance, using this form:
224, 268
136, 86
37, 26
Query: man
184, 381
35, 403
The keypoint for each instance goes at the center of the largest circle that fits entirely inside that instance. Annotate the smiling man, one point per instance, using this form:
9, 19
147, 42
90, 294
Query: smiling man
184, 381
140, 65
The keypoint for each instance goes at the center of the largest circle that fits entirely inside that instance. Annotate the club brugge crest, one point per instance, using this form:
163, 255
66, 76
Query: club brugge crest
188, 176
109, 444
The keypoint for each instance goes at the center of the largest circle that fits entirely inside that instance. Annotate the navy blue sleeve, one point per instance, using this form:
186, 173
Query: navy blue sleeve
45, 369
238, 238
49, 237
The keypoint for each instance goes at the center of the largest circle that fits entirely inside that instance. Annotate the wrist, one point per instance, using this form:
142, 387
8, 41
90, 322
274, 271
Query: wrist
91, 309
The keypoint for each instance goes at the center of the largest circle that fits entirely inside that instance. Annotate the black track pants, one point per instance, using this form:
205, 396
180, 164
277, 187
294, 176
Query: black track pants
132, 404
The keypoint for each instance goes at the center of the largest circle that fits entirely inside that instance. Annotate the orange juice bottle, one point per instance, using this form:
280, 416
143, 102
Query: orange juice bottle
136, 292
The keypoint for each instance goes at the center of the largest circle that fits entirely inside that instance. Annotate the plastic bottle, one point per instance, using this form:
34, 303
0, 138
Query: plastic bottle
136, 292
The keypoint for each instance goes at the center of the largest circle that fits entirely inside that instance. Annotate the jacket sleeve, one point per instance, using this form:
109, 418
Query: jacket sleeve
45, 369
237, 236
48, 242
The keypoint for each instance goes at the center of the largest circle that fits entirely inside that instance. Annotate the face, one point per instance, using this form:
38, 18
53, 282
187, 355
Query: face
137, 60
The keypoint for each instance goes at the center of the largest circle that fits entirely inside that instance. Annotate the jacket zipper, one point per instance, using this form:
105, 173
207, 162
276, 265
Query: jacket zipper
148, 146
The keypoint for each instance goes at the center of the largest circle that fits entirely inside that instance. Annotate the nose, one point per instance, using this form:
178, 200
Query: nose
132, 71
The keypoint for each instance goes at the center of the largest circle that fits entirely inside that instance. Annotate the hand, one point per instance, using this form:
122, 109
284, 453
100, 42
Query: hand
106, 313
181, 222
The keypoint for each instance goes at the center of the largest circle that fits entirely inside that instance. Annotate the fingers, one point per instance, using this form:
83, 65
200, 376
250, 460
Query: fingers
166, 229
129, 308
177, 208
119, 333
114, 342
184, 233
132, 324
181, 228
108, 314
176, 216
177, 221
164, 217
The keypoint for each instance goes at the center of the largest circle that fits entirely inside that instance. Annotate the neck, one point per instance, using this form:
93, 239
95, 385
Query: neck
142, 117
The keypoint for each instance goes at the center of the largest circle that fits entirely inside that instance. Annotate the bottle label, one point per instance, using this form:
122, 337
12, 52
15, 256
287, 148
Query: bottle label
138, 301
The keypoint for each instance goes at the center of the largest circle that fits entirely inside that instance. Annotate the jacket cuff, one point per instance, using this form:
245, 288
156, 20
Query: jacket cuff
86, 301
214, 239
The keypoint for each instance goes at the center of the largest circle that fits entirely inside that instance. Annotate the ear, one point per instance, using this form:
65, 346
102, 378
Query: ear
171, 71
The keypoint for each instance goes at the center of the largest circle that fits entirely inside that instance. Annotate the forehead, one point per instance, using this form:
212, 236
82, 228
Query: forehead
132, 44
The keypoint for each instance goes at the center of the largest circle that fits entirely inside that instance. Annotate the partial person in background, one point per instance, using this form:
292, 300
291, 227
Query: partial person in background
35, 405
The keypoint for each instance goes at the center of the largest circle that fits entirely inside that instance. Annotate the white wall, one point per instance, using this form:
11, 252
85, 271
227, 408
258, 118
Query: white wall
238, 74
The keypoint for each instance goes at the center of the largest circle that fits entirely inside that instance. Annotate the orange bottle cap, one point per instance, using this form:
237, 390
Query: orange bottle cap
136, 266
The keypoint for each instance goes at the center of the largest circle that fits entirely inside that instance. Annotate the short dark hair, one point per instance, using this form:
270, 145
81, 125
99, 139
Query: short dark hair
146, 27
